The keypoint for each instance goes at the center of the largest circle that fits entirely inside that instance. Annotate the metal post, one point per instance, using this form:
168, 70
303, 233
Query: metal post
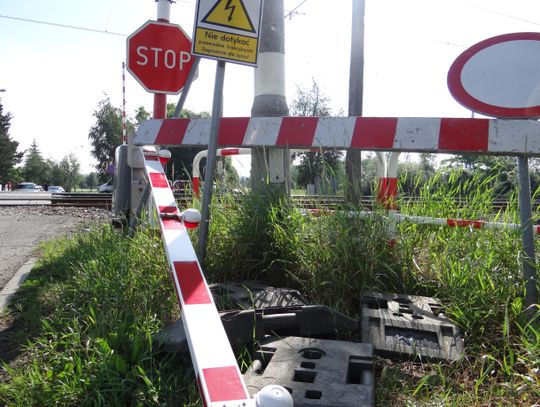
187, 86
270, 165
217, 106
160, 99
353, 160
527, 236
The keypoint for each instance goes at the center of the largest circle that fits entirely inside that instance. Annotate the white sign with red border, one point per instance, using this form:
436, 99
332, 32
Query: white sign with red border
500, 76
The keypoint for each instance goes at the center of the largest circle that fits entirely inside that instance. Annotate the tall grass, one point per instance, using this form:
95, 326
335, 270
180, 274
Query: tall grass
91, 309
93, 306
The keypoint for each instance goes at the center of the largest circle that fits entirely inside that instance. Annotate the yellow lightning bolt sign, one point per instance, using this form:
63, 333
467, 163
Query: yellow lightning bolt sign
230, 13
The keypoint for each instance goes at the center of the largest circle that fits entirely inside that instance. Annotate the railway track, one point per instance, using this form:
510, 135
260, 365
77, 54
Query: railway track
104, 200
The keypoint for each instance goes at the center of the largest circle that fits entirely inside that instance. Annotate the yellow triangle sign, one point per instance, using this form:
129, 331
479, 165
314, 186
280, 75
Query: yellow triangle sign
230, 13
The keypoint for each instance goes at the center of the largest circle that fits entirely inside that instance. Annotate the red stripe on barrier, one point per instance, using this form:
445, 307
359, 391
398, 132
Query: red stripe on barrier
374, 132
297, 131
230, 151
158, 180
224, 383
170, 224
461, 223
168, 209
172, 131
151, 158
192, 285
464, 135
232, 130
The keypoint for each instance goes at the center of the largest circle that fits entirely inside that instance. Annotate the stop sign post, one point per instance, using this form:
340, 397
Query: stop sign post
159, 57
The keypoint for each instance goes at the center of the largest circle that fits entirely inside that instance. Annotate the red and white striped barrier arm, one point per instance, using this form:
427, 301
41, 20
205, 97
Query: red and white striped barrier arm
218, 376
463, 223
220, 152
424, 220
434, 135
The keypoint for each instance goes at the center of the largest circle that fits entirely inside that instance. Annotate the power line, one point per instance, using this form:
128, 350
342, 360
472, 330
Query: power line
292, 13
72, 27
500, 13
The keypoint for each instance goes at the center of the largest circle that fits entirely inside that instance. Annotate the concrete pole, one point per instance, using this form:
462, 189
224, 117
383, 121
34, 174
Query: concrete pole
353, 160
270, 165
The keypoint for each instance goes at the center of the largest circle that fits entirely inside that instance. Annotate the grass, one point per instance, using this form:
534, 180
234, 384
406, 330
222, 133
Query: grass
80, 330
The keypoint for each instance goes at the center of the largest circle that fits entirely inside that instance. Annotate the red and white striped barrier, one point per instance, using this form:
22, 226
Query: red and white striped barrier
220, 152
218, 376
426, 220
217, 372
433, 135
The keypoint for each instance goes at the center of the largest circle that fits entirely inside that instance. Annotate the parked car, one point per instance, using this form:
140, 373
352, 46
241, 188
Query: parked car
106, 188
56, 189
28, 187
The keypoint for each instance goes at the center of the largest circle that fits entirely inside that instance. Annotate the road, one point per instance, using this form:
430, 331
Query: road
22, 228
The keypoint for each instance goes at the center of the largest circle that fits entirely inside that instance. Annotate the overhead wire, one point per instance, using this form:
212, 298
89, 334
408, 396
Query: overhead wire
292, 13
73, 27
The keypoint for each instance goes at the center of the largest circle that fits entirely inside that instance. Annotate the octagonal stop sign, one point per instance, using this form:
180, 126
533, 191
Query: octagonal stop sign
159, 57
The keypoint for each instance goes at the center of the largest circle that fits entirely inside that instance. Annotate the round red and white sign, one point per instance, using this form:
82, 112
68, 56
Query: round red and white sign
500, 76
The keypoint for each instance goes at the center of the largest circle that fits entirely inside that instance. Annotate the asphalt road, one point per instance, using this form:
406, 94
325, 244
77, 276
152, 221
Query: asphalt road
22, 228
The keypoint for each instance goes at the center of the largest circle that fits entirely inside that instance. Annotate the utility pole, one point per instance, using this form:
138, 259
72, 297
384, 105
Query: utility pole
353, 160
270, 165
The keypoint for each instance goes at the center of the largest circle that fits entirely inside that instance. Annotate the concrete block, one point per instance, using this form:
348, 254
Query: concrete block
317, 372
409, 326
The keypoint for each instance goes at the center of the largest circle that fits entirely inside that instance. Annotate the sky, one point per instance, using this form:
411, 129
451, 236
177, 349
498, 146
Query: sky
55, 76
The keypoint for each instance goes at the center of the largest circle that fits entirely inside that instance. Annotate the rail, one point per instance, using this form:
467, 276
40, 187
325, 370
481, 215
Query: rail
104, 200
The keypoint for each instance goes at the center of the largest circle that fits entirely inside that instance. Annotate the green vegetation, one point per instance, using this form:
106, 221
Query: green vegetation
82, 325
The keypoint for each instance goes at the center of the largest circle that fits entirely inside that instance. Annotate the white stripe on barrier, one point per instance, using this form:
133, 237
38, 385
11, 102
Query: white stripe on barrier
326, 136
413, 132
524, 138
197, 132
262, 131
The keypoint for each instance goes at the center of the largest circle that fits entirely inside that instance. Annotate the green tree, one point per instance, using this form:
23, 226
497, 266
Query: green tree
68, 171
141, 115
9, 157
320, 164
105, 135
36, 168
91, 181
501, 170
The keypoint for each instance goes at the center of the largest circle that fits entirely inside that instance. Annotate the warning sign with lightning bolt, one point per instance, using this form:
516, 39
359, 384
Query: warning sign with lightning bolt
228, 30
230, 13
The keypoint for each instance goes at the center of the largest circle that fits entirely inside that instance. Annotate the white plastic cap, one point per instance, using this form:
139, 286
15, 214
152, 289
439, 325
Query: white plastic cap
164, 154
192, 218
273, 396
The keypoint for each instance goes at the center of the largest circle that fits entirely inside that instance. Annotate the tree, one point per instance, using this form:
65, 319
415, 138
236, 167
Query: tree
36, 168
9, 157
105, 135
91, 180
67, 172
502, 171
320, 164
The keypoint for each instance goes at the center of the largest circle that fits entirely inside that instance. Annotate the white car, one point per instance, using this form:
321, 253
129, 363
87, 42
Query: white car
56, 189
106, 188
28, 187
